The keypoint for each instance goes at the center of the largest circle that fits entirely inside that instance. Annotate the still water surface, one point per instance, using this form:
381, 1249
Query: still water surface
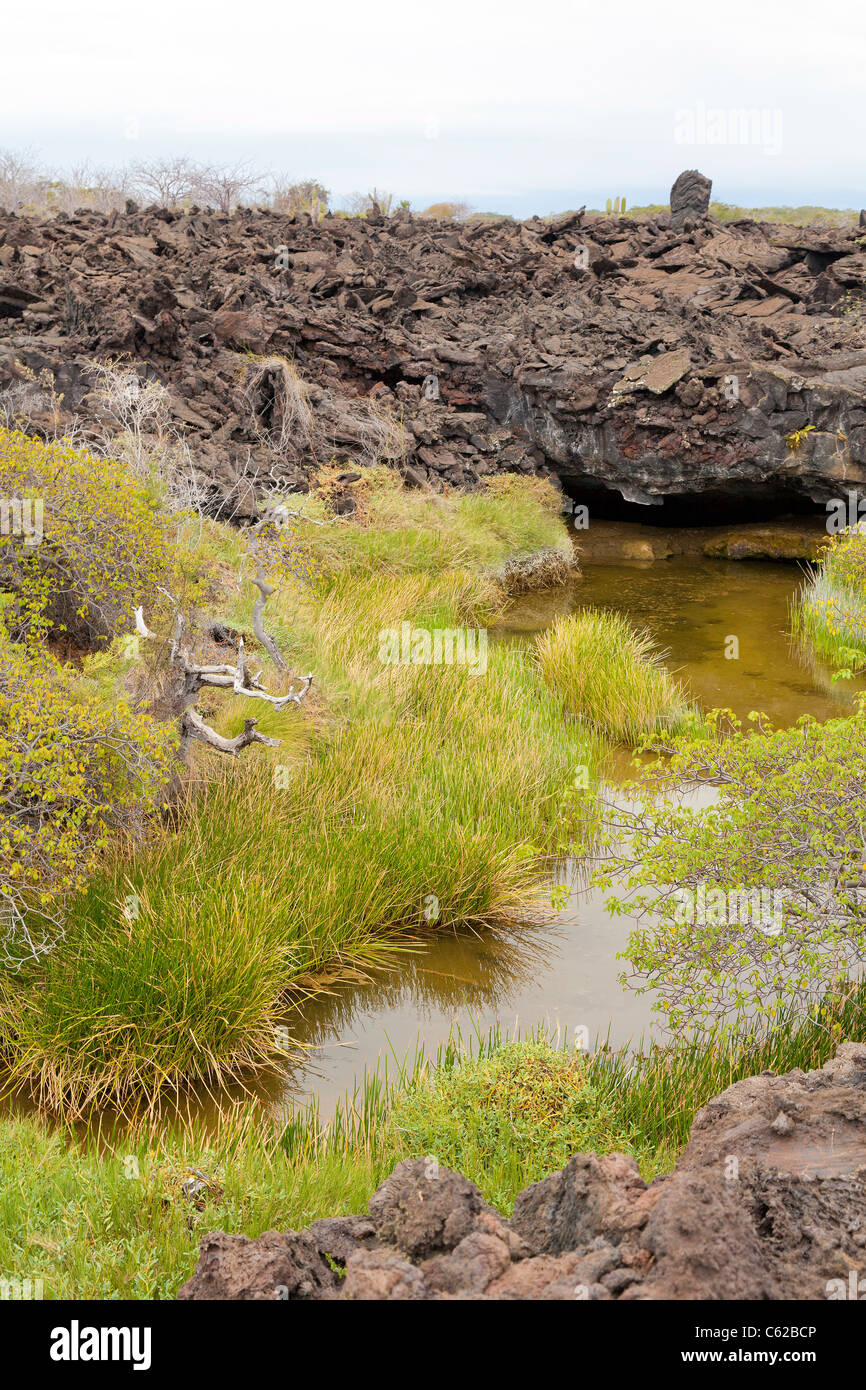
566, 974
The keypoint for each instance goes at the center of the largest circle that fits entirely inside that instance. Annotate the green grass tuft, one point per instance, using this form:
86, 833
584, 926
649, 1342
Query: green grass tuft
612, 677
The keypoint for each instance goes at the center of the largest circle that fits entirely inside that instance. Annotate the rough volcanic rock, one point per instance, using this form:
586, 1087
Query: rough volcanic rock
768, 1201
592, 1196
690, 198
276, 1265
769, 1198
617, 353
423, 1209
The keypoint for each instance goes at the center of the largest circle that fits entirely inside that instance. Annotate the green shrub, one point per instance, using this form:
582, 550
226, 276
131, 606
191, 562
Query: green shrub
523, 1108
754, 904
102, 550
73, 768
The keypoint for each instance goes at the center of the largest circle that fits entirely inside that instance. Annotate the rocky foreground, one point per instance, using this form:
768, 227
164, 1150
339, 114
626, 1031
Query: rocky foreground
768, 1201
644, 356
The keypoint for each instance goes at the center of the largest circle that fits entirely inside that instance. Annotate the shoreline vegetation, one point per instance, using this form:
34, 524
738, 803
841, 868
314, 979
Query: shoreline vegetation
120, 1213
398, 782
830, 615
188, 923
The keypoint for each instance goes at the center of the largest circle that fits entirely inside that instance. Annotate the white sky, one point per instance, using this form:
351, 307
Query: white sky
517, 107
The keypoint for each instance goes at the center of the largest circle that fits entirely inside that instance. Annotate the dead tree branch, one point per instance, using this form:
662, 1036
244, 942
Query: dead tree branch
265, 590
193, 726
237, 678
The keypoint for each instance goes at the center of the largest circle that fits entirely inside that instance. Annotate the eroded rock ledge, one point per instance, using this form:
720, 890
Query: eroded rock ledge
625, 354
768, 1201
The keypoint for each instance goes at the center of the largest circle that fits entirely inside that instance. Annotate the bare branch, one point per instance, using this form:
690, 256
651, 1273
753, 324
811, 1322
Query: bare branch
167, 181
265, 590
175, 641
193, 726
247, 685
222, 185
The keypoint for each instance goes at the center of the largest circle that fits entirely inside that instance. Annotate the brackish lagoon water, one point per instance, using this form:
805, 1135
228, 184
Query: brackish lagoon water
562, 973
566, 974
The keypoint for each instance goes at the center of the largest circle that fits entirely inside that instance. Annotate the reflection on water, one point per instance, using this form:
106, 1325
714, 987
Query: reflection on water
563, 974
566, 974
693, 607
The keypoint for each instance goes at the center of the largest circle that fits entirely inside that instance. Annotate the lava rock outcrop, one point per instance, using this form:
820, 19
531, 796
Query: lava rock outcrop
650, 356
768, 1201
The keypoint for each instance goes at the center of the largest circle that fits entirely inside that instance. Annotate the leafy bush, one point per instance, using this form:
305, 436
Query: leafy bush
72, 767
774, 869
524, 1105
102, 549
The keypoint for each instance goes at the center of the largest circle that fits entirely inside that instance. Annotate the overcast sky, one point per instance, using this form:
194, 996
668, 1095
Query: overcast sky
514, 107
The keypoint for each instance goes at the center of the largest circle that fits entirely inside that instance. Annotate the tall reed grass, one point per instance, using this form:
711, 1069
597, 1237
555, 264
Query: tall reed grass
405, 785
612, 677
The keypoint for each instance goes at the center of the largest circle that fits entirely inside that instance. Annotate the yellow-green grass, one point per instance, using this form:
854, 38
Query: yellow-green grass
406, 530
830, 613
404, 782
612, 677
119, 1214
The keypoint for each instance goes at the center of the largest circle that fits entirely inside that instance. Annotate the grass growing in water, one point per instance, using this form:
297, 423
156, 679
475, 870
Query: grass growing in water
831, 611
121, 1215
411, 782
611, 676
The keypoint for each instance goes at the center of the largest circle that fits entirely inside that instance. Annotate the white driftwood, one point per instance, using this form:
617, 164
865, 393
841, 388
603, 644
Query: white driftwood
226, 677
193, 726
140, 625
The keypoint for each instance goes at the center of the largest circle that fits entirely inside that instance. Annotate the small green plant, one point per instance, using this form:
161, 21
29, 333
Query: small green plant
522, 1108
796, 437
856, 660
851, 305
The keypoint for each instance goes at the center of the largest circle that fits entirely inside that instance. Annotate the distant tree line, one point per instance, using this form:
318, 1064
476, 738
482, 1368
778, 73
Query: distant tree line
26, 187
